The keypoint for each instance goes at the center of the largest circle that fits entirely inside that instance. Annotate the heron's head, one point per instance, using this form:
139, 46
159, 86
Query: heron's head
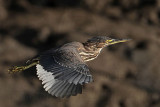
100, 42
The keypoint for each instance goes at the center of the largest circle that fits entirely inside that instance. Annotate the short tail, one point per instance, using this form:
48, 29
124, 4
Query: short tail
21, 68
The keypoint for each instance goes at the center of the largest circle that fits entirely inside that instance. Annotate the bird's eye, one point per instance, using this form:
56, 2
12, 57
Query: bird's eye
109, 41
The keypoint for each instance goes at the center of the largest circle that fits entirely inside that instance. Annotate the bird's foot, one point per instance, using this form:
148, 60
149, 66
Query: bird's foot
16, 69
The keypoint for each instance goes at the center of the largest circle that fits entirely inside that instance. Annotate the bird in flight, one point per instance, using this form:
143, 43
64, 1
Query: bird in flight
63, 71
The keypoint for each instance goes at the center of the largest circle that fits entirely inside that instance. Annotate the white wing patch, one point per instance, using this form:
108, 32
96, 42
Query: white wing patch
56, 87
47, 78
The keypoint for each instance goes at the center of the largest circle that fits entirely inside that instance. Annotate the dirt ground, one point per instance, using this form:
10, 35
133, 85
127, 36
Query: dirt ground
125, 75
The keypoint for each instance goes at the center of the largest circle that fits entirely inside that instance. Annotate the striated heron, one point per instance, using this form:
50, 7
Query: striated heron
63, 71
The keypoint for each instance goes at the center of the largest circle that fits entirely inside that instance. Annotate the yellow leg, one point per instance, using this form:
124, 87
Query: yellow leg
21, 68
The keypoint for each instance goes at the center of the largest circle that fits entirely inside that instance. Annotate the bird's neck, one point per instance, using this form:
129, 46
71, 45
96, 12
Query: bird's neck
89, 53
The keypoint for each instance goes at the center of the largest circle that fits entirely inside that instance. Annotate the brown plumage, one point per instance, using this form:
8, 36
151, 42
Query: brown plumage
64, 71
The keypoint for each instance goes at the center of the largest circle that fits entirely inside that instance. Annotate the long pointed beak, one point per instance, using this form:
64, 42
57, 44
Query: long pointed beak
114, 41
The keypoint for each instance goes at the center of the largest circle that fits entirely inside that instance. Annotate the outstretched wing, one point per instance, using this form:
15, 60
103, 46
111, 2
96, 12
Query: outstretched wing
57, 87
63, 72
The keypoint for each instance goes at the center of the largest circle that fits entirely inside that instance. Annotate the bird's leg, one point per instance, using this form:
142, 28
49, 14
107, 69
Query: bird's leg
21, 68
32, 60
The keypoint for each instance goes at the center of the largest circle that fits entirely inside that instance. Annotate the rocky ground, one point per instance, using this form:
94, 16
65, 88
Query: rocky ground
125, 75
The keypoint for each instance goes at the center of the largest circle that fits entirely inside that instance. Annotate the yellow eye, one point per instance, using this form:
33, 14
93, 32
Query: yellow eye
108, 41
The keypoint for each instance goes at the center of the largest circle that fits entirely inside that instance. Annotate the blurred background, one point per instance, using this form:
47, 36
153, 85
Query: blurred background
125, 75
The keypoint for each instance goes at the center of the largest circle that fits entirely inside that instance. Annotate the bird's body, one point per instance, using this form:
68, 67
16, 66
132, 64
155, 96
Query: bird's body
64, 71
83, 52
